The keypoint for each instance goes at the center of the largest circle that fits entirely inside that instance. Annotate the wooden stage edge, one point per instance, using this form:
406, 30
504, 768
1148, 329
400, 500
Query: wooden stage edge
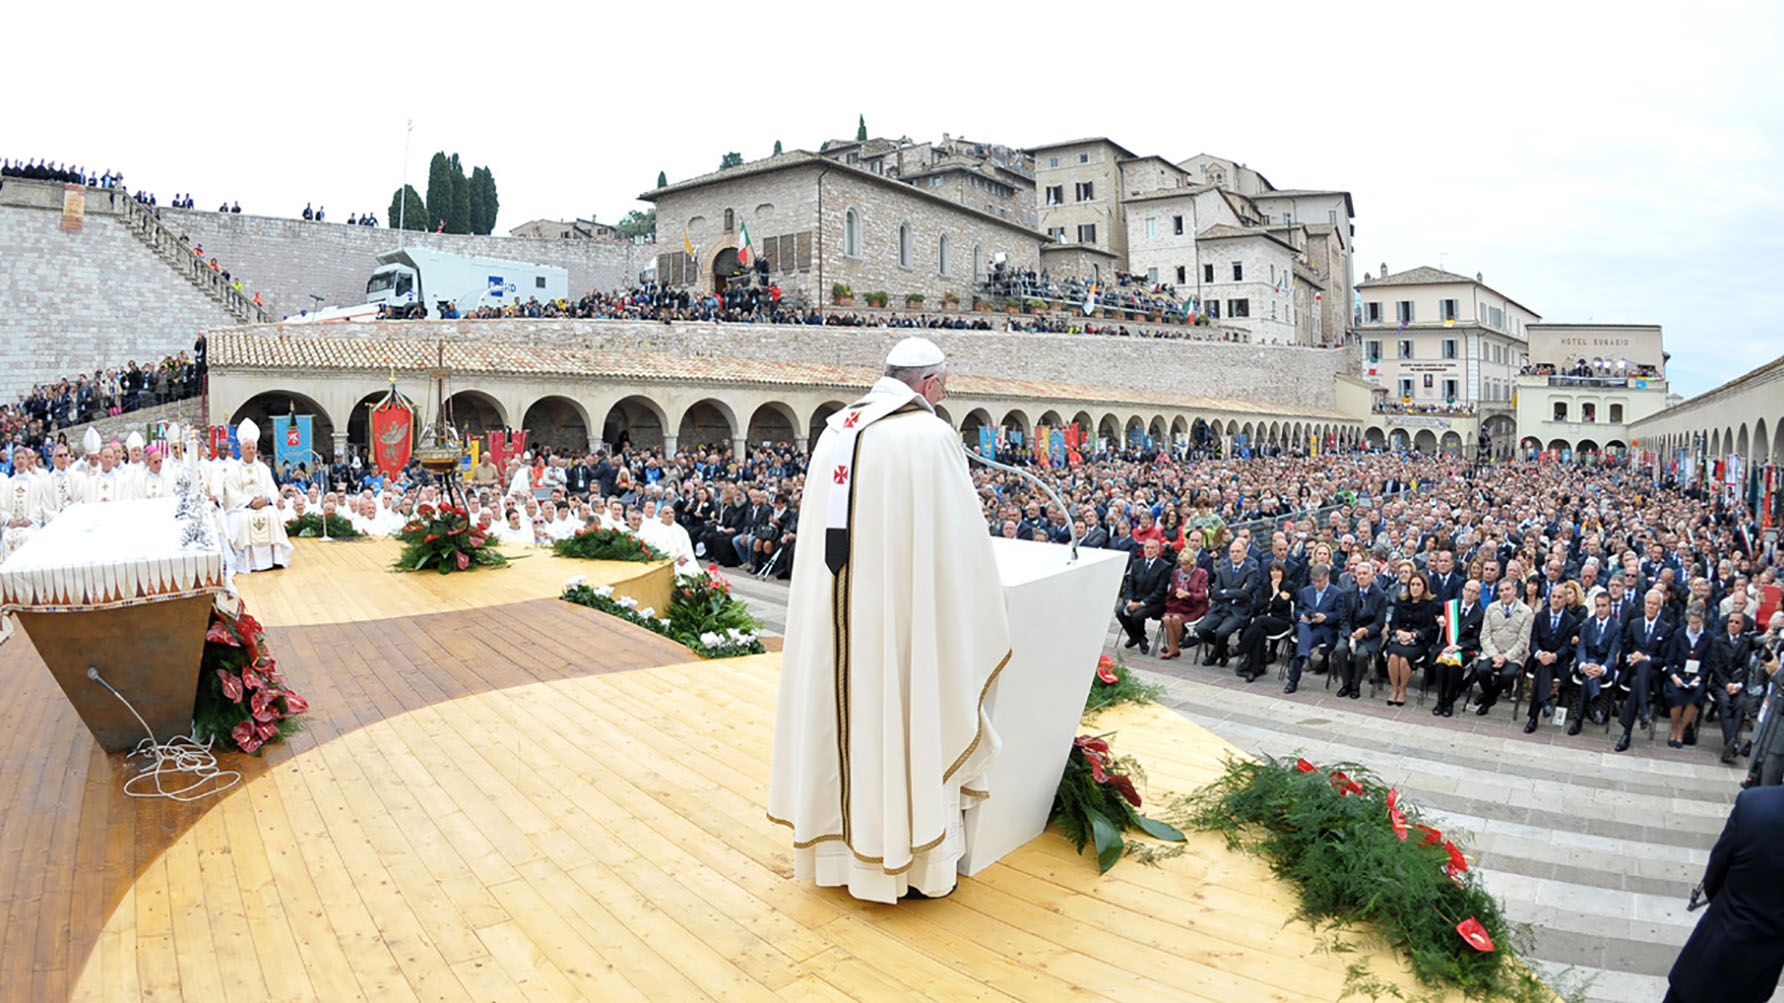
530, 799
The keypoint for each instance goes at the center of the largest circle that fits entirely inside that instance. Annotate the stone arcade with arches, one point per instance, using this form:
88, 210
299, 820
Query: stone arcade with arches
580, 398
1739, 418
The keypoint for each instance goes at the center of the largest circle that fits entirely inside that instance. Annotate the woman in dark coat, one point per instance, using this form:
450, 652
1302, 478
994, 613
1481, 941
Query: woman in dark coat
1411, 634
1275, 615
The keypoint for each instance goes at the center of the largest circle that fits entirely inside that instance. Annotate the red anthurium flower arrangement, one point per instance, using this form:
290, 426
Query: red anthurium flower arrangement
1105, 670
442, 537
1097, 798
1475, 934
242, 700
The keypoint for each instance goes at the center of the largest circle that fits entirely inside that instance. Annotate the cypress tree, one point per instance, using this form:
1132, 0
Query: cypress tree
413, 216
861, 129
460, 220
484, 203
439, 191
662, 180
777, 149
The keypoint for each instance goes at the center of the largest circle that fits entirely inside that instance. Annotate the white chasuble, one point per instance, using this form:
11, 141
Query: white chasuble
881, 739
256, 535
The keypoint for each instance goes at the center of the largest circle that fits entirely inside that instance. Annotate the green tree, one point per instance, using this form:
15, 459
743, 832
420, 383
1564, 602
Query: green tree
439, 191
861, 129
637, 223
460, 220
777, 149
730, 160
662, 180
484, 202
412, 216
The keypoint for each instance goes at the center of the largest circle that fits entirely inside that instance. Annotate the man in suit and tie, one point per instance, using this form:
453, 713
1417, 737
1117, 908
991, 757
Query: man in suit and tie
1693, 662
1736, 953
1359, 632
1317, 622
1647, 640
1728, 688
1143, 594
1445, 583
1552, 642
1452, 680
1595, 657
1231, 596
1504, 644
1622, 609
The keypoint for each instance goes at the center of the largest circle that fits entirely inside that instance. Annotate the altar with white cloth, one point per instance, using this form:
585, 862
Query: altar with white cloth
124, 587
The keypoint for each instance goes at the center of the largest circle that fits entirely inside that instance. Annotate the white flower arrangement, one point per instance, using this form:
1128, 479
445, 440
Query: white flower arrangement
627, 603
648, 612
575, 580
604, 591
710, 639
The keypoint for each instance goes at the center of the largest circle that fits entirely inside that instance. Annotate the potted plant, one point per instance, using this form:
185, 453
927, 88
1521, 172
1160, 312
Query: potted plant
980, 306
842, 295
913, 300
1034, 306
877, 298
950, 300
1010, 306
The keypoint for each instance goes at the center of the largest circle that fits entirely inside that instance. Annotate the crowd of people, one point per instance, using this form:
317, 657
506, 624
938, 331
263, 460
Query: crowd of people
39, 417
36, 169
1385, 406
1125, 292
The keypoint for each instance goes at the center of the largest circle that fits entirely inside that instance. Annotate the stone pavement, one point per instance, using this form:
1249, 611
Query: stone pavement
1597, 851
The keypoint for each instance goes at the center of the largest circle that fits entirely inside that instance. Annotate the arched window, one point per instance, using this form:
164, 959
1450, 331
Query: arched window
941, 255
904, 245
978, 263
729, 221
851, 234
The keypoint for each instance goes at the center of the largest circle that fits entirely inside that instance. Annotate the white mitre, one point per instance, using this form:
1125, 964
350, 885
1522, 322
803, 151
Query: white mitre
133, 440
247, 431
90, 442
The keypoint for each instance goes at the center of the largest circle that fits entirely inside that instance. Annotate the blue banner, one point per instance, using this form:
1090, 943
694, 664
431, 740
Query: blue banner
987, 442
1056, 446
291, 441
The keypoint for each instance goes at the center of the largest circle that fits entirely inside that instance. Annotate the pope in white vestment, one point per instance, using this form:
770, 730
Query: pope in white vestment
896, 632
257, 535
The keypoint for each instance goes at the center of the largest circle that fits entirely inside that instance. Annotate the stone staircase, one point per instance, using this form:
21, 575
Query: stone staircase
141, 221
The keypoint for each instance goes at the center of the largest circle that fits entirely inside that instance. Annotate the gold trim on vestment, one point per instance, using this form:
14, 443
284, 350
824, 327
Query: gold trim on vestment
979, 728
833, 837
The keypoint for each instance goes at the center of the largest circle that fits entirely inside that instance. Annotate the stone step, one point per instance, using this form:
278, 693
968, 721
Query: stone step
1605, 985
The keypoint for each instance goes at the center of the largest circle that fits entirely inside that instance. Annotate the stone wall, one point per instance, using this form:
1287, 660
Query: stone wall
288, 259
1293, 377
91, 299
186, 412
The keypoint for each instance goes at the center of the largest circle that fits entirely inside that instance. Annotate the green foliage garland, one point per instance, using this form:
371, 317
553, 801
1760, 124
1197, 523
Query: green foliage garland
606, 545
1115, 684
1359, 854
703, 615
1098, 800
242, 702
444, 538
309, 526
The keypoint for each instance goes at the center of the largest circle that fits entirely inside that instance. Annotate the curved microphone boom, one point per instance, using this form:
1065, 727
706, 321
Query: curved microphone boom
977, 457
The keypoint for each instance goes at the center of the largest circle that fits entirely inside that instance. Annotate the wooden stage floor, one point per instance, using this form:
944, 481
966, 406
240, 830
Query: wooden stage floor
525, 799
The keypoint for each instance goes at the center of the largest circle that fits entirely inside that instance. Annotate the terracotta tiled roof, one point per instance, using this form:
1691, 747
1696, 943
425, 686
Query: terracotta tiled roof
233, 351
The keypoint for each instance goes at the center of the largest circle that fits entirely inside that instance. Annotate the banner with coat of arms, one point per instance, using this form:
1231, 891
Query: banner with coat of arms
505, 446
393, 433
291, 441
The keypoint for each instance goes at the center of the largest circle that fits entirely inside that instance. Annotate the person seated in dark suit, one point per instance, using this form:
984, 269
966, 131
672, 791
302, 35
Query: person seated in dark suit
1595, 659
1411, 633
1317, 622
1093, 537
1143, 594
1123, 541
1647, 641
1736, 953
1446, 584
1359, 632
1230, 597
1453, 661
1186, 601
1552, 642
1728, 687
1274, 615
1693, 662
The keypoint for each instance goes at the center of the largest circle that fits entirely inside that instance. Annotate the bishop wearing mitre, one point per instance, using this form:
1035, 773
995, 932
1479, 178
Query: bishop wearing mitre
895, 633
250, 513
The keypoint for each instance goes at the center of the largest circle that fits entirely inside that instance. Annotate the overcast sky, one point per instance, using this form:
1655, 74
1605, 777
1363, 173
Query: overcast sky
1617, 163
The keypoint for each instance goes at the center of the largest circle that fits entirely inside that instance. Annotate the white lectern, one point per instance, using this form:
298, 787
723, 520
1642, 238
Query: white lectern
1059, 615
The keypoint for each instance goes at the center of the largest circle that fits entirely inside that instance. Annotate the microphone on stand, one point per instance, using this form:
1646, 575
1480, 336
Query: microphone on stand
1043, 485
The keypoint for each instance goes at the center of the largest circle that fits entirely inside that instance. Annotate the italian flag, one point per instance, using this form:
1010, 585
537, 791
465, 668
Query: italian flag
744, 250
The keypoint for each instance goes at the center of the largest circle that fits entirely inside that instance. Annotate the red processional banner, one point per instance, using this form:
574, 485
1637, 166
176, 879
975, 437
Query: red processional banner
393, 435
506, 446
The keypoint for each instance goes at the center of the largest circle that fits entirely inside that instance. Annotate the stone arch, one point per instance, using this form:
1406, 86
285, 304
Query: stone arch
1777, 451
1530, 444
1715, 442
907, 244
974, 420
558, 422
637, 420
852, 230
1399, 438
1585, 446
1616, 447
1556, 445
1051, 419
775, 422
1376, 438
942, 413
1179, 428
1250, 439
1451, 443
1086, 424
1741, 442
475, 412
1109, 428
1425, 442
267, 404
709, 260
1016, 420
819, 416
1133, 431
706, 422
359, 422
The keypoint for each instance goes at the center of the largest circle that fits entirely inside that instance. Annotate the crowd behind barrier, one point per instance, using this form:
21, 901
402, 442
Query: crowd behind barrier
40, 415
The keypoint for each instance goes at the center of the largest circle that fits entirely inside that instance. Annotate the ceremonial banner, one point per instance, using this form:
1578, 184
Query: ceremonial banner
506, 446
221, 442
1058, 447
74, 207
291, 440
1041, 440
393, 434
987, 442
468, 462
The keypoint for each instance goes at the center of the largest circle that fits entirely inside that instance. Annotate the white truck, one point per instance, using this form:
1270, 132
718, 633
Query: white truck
414, 276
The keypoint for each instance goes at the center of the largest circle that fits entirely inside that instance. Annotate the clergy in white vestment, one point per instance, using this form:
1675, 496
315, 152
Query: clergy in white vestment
895, 633
134, 468
23, 498
106, 481
151, 484
256, 533
66, 485
671, 538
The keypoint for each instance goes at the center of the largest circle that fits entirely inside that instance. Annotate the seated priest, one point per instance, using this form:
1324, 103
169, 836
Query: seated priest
256, 533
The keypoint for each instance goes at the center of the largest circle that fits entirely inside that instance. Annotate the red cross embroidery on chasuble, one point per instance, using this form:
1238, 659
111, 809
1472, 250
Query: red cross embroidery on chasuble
841, 476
